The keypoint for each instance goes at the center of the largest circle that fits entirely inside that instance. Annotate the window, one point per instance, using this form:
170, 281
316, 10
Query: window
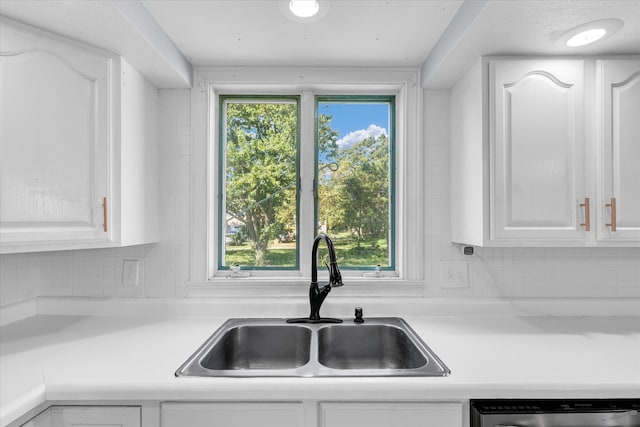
355, 178
388, 104
258, 180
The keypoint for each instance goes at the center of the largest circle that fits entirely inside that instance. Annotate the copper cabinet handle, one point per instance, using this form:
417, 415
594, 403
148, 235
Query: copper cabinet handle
612, 205
587, 214
105, 215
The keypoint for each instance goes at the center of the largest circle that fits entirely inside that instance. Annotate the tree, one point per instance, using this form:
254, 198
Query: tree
327, 139
355, 197
261, 153
261, 176
327, 165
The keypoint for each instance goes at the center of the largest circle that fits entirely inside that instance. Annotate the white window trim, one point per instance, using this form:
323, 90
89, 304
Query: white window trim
401, 82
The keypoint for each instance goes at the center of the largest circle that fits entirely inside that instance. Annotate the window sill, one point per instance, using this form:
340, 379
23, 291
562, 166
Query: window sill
297, 287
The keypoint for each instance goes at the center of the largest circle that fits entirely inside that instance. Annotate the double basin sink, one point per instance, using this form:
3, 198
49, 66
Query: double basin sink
378, 347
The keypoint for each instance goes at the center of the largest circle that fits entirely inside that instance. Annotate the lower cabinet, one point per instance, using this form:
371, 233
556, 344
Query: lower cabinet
87, 416
232, 414
388, 414
311, 414
307, 413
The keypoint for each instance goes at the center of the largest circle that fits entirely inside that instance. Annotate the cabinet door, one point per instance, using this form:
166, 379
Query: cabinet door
232, 414
383, 414
537, 149
55, 140
619, 151
88, 416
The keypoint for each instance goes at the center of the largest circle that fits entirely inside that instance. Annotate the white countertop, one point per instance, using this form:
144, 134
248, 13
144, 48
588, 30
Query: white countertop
52, 357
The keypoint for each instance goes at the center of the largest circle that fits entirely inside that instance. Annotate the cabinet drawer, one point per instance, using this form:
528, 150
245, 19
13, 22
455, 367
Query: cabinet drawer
390, 414
232, 414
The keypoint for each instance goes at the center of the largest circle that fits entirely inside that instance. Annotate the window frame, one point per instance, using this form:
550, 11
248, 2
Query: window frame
403, 83
221, 195
391, 100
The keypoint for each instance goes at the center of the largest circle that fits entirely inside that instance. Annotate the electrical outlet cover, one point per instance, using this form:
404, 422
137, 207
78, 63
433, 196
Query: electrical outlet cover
130, 271
455, 274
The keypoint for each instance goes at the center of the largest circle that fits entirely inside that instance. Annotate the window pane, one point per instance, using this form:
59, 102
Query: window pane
355, 178
259, 150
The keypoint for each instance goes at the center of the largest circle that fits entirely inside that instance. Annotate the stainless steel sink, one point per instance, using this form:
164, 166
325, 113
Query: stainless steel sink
274, 348
260, 347
368, 347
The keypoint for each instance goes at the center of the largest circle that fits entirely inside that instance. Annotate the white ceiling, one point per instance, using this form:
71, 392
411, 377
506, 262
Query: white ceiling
100, 24
352, 33
530, 27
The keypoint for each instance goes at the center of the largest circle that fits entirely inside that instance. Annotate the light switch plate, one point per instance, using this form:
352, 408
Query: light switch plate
455, 274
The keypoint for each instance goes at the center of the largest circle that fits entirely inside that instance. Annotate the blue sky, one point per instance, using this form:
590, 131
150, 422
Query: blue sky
354, 120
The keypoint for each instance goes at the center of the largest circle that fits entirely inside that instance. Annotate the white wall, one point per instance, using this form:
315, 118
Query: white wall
589, 272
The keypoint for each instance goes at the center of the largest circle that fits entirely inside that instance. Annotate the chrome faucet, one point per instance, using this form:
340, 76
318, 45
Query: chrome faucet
318, 294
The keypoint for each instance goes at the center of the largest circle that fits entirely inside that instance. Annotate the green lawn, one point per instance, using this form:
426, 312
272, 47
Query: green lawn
370, 253
243, 255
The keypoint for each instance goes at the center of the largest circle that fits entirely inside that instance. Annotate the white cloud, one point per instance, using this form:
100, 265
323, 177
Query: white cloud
358, 135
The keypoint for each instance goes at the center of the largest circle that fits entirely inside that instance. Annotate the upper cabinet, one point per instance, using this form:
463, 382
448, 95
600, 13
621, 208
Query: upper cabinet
78, 146
618, 150
543, 152
537, 148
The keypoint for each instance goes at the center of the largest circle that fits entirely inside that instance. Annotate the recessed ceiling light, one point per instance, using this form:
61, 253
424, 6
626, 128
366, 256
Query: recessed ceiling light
590, 32
586, 37
304, 8
289, 9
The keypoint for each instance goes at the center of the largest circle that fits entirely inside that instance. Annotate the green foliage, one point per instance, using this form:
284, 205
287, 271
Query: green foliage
327, 138
261, 153
261, 192
355, 197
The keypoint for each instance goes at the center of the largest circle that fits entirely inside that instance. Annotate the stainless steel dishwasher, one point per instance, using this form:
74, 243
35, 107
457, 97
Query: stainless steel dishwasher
555, 413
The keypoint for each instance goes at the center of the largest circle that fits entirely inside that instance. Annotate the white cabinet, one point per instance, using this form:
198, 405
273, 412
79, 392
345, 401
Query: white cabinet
388, 414
618, 137
54, 139
87, 416
78, 150
311, 414
536, 147
232, 414
524, 150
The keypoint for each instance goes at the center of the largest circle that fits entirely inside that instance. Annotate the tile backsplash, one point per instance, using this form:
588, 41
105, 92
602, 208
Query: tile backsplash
20, 277
164, 267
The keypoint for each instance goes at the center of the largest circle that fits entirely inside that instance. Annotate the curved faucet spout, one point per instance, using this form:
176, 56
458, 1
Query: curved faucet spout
335, 278
318, 294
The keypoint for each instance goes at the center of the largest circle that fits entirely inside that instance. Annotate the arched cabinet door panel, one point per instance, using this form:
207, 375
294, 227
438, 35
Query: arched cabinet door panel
619, 150
54, 142
78, 146
537, 133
